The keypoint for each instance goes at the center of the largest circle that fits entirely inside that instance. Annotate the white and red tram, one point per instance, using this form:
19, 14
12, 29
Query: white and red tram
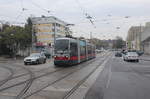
70, 51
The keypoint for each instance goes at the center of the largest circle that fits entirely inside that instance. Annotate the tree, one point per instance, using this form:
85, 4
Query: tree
28, 31
99, 43
119, 43
14, 38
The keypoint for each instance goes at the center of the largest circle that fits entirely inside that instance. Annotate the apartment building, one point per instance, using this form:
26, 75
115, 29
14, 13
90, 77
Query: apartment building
138, 38
146, 38
47, 28
134, 37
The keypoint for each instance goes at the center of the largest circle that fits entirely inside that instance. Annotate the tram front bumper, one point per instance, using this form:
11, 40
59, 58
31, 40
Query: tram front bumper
65, 62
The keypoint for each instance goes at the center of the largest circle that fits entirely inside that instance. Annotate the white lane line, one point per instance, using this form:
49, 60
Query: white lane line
109, 77
81, 92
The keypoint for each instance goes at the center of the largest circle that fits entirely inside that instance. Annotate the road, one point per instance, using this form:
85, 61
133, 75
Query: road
105, 77
45, 81
122, 80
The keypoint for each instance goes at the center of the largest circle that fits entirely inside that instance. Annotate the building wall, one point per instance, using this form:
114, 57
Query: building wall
146, 38
139, 38
43, 33
146, 32
147, 47
134, 37
45, 27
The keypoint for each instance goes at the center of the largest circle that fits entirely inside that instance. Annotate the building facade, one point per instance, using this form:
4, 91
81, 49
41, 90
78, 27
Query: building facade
138, 38
146, 39
46, 29
134, 37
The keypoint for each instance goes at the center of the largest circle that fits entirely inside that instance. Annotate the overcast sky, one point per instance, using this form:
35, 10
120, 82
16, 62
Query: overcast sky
107, 14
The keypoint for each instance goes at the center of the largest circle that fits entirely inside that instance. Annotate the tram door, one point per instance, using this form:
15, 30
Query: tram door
74, 52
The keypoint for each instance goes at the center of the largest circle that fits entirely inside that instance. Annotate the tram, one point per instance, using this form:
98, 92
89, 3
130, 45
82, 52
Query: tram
71, 51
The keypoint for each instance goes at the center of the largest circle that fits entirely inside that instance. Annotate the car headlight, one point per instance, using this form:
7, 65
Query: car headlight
25, 59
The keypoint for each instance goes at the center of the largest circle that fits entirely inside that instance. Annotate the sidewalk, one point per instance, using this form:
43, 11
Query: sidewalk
3, 58
145, 57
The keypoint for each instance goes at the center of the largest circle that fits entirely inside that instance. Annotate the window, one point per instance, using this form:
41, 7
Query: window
73, 49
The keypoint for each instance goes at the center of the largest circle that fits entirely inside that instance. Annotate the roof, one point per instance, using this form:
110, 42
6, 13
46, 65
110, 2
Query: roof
47, 20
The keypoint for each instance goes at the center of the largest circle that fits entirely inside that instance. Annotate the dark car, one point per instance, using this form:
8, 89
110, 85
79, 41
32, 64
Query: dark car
118, 54
140, 53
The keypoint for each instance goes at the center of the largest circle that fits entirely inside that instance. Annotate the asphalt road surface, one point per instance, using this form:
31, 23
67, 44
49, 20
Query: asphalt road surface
122, 80
45, 81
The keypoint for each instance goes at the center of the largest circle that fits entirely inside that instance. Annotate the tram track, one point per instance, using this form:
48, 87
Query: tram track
27, 86
29, 81
33, 78
24, 90
25, 74
68, 94
2, 82
11, 77
59, 79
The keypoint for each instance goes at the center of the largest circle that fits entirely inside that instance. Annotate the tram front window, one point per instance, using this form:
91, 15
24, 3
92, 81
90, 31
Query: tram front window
61, 46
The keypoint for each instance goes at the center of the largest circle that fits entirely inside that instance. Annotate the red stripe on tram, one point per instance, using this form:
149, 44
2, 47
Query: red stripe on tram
61, 58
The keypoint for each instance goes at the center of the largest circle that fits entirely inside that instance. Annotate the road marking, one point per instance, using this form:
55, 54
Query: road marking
109, 77
81, 92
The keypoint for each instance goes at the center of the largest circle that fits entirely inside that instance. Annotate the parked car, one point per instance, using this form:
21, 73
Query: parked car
118, 54
124, 52
35, 58
46, 53
98, 51
137, 51
140, 53
131, 56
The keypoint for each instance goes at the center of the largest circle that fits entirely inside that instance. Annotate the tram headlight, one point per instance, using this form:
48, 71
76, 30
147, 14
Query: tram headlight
55, 56
67, 56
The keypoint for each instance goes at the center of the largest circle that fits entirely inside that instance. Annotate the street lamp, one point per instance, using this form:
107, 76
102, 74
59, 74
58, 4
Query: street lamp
13, 47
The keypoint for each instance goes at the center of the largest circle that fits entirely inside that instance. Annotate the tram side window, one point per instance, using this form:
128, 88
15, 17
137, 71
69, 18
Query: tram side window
89, 50
73, 49
83, 50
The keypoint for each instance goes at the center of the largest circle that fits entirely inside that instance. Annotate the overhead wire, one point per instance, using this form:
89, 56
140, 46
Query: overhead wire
23, 9
20, 13
81, 7
38, 6
87, 15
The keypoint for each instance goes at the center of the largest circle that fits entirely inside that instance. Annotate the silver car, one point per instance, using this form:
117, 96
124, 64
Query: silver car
35, 58
131, 56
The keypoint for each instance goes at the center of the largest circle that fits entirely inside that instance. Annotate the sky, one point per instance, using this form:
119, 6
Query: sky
107, 14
